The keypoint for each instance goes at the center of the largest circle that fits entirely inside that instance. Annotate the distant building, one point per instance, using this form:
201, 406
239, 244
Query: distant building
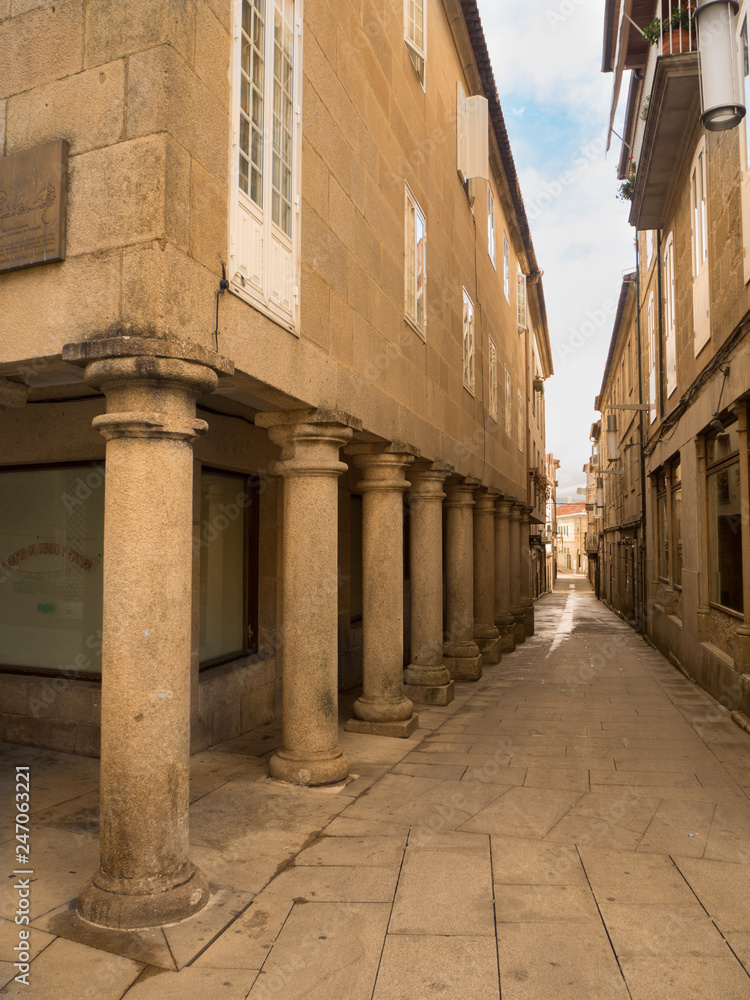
571, 538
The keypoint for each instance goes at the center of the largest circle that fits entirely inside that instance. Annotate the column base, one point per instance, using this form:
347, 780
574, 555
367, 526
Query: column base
504, 626
529, 621
380, 710
424, 694
490, 650
400, 729
464, 668
310, 769
519, 627
743, 648
133, 905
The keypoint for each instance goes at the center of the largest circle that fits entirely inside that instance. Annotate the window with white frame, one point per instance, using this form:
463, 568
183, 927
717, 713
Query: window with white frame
491, 225
493, 379
415, 34
669, 324
743, 40
468, 340
415, 273
508, 403
651, 321
506, 268
521, 301
264, 258
699, 225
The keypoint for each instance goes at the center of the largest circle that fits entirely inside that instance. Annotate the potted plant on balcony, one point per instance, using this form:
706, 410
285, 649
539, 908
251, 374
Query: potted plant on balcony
677, 30
539, 384
628, 186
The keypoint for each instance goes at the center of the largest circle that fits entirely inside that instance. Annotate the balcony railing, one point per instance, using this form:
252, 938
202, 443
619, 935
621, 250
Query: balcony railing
591, 544
674, 25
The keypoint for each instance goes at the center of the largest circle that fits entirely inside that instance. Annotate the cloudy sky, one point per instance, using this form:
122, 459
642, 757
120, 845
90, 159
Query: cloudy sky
547, 57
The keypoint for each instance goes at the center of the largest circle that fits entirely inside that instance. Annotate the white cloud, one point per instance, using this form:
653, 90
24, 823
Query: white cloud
547, 62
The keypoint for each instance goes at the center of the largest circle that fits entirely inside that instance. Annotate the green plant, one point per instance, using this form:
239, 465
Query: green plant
542, 487
644, 109
681, 17
539, 384
628, 186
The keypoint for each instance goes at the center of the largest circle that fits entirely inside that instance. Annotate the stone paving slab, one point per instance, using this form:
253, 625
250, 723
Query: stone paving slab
535, 833
445, 892
428, 965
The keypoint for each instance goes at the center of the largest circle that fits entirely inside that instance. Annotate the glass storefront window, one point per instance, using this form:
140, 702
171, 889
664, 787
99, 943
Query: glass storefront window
51, 545
223, 551
725, 537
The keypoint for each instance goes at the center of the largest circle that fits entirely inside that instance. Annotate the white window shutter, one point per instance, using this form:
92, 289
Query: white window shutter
701, 310
249, 246
281, 275
477, 138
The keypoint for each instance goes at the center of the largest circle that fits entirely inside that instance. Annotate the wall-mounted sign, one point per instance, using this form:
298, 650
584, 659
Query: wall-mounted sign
535, 539
33, 203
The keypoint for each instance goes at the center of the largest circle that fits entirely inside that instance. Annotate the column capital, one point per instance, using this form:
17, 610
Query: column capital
382, 465
150, 397
426, 480
484, 501
503, 506
516, 510
126, 345
460, 491
309, 442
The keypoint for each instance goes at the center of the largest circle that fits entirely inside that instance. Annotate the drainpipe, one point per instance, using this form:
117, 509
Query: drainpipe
660, 351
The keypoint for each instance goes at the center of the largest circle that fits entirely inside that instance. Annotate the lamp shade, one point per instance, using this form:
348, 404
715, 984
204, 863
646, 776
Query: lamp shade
721, 99
600, 492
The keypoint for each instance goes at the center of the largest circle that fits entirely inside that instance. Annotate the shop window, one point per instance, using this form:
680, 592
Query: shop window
416, 266
228, 567
724, 520
51, 549
266, 128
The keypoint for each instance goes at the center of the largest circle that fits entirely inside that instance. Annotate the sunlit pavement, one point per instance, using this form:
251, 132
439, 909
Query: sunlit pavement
575, 826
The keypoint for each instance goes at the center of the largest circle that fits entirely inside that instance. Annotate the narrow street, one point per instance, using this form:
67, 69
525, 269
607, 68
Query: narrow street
575, 825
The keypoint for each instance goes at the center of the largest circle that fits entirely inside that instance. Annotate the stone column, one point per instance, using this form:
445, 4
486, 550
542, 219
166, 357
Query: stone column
526, 602
486, 635
743, 630
145, 877
426, 679
461, 653
516, 607
383, 709
310, 466
504, 620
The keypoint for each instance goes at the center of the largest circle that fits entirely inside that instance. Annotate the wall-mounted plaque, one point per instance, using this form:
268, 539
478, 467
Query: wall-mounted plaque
33, 203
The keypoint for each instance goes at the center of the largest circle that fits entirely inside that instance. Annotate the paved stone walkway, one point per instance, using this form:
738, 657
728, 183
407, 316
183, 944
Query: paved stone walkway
574, 826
